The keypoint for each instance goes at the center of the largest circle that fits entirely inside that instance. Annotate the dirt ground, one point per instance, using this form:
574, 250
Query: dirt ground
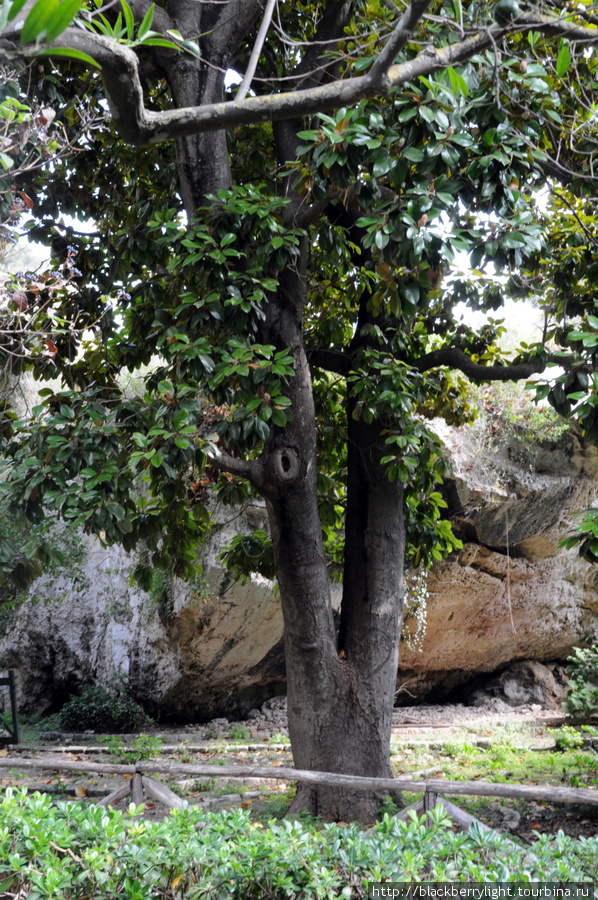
429, 741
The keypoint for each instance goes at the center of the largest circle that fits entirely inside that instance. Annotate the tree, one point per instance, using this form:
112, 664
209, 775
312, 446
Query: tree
284, 255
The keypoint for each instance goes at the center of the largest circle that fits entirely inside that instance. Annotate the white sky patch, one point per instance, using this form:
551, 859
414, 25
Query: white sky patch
523, 321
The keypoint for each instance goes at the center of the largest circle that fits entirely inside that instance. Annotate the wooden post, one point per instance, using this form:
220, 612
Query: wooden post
162, 793
430, 800
137, 789
117, 795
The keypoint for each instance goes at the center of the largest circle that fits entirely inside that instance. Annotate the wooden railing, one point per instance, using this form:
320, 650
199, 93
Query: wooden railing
142, 771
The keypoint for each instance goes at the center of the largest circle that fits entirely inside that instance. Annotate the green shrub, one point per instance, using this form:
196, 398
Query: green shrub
144, 747
566, 738
582, 671
239, 733
102, 709
69, 851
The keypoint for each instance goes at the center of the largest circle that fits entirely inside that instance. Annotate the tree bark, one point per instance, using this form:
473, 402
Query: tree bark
340, 693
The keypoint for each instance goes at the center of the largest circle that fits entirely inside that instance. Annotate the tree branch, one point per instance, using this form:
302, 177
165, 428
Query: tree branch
399, 37
331, 360
255, 53
457, 359
244, 468
141, 126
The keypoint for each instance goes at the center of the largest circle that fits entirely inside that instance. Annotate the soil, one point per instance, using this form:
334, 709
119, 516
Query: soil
425, 740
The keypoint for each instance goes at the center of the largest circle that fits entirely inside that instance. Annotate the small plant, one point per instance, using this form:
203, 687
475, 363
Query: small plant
460, 748
102, 709
239, 733
582, 672
278, 738
566, 738
144, 747
203, 785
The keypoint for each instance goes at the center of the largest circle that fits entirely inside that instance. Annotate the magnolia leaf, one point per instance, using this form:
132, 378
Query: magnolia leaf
563, 60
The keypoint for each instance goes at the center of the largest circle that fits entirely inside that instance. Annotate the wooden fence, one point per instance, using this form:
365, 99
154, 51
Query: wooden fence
142, 771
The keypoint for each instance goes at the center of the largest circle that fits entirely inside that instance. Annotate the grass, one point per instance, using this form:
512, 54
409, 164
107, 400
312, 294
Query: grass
501, 761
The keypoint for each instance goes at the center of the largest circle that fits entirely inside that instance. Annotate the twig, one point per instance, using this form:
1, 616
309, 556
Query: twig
255, 53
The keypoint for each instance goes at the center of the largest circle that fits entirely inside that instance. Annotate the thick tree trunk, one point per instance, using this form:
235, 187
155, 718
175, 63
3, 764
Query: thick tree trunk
340, 694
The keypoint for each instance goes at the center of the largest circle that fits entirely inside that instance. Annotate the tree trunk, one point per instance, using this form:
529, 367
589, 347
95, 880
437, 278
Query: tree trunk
340, 695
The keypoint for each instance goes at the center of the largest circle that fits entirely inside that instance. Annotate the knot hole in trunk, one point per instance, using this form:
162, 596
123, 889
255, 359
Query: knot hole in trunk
285, 465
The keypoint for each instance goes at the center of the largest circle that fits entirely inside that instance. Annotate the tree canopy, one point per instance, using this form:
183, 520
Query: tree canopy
280, 265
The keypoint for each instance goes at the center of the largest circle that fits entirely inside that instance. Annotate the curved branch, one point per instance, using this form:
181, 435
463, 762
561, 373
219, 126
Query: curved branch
399, 37
139, 125
244, 468
457, 359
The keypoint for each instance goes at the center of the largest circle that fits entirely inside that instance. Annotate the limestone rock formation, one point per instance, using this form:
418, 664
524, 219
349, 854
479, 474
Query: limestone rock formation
193, 653
511, 593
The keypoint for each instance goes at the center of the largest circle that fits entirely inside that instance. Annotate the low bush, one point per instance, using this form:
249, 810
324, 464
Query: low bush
102, 709
566, 738
582, 672
70, 851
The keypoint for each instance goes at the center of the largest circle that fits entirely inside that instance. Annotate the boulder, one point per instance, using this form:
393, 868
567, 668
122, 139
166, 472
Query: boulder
525, 683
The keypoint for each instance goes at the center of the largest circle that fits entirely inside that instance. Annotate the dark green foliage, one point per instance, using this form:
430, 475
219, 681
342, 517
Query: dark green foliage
447, 164
191, 855
101, 709
582, 671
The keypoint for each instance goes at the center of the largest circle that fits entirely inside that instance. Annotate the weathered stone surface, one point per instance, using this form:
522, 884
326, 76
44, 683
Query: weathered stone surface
511, 593
215, 650
209, 648
525, 683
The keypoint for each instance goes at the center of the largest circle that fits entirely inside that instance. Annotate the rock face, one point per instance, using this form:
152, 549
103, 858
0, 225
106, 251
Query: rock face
186, 653
510, 593
190, 654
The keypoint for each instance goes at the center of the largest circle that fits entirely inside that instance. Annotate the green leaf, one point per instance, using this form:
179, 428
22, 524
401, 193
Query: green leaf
427, 114
67, 53
62, 18
458, 83
563, 60
38, 20
129, 19
381, 239
192, 48
14, 9
151, 41
146, 23
414, 154
262, 428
